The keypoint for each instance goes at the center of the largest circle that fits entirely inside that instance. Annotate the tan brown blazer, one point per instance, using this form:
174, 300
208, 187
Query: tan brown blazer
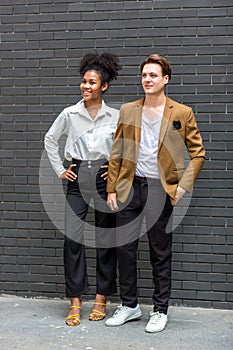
178, 134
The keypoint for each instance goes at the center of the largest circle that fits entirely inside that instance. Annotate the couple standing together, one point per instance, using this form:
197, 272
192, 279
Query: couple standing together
131, 165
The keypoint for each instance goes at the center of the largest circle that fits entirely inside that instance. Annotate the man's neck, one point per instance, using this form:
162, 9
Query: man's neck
155, 101
154, 106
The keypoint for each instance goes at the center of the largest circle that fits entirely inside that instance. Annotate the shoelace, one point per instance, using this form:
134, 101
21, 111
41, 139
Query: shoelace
119, 308
155, 317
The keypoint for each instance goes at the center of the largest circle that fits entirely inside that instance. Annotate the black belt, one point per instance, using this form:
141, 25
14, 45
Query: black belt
89, 163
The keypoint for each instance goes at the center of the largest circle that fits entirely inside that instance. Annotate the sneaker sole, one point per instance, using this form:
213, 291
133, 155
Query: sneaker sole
133, 317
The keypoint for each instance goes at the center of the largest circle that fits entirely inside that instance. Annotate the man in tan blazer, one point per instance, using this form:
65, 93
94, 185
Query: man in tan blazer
147, 176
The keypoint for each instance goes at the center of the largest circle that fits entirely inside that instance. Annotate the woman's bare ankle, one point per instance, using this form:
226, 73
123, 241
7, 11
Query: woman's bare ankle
100, 298
75, 301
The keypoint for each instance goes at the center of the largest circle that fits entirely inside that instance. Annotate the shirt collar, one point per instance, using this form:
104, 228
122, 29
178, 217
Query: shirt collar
80, 108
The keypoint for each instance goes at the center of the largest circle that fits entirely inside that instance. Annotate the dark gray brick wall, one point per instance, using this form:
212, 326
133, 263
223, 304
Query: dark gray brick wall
41, 44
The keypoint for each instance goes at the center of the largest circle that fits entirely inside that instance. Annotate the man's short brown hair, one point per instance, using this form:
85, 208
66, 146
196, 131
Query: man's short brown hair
161, 60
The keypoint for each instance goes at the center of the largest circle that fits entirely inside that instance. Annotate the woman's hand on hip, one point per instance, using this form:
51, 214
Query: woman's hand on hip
69, 174
105, 175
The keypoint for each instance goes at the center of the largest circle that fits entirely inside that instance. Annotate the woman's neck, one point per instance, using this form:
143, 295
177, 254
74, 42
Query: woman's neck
93, 107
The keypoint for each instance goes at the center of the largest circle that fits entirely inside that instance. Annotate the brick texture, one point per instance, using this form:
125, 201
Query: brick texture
41, 44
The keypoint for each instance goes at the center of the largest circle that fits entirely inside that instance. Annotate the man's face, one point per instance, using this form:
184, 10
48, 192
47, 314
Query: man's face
153, 82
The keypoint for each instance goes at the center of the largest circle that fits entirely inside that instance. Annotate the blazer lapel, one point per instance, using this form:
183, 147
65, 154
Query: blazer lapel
137, 126
166, 120
138, 119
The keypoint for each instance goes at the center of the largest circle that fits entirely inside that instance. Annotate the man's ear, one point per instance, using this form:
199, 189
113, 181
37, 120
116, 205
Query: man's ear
104, 86
166, 79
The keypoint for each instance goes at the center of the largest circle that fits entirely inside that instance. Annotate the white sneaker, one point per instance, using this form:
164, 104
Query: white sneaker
124, 314
157, 322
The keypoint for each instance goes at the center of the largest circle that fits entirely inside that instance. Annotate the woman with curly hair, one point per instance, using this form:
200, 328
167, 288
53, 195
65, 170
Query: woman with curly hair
89, 127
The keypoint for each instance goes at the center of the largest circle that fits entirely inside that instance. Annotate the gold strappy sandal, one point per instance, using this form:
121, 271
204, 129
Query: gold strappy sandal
75, 318
97, 315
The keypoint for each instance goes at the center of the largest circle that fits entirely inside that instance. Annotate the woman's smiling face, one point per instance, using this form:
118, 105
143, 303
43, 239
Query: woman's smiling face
91, 86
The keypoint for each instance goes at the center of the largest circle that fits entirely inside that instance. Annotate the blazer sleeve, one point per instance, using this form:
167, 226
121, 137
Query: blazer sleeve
196, 151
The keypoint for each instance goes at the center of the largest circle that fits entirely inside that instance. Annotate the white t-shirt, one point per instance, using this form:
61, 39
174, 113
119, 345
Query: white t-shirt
147, 164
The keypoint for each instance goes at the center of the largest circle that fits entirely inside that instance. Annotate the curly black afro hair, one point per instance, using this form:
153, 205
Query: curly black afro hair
106, 64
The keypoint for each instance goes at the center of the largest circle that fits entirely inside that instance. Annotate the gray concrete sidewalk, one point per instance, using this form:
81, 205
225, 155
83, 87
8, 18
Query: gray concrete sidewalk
38, 324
